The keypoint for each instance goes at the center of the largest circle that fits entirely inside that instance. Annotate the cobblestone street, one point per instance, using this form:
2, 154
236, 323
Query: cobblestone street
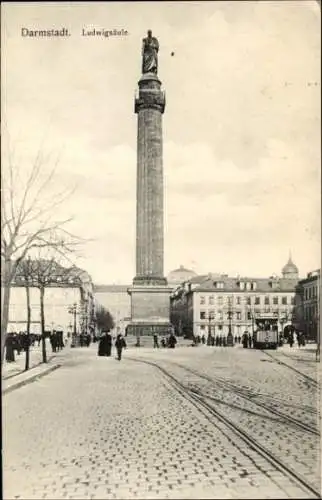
99, 428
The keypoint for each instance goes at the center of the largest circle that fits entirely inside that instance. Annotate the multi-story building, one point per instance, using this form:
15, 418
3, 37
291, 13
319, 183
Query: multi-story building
217, 303
308, 305
68, 302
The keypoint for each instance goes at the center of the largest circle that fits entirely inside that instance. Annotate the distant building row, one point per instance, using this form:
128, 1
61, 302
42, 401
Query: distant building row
217, 303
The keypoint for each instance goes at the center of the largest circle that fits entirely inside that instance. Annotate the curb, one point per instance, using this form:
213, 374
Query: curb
23, 371
30, 379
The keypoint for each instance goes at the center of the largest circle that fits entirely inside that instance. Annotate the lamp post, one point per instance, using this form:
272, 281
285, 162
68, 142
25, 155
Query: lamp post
230, 338
73, 310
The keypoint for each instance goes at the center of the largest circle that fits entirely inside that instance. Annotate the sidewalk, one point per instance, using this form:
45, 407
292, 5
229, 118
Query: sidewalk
14, 376
18, 366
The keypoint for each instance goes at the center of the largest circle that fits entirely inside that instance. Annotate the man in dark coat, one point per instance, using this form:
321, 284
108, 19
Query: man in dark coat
120, 344
172, 341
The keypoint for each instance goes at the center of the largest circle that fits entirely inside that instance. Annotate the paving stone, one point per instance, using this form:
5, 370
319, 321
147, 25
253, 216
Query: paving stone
118, 430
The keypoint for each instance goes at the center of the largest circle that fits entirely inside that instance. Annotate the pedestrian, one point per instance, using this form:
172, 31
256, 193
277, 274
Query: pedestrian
88, 340
203, 339
298, 339
208, 339
172, 341
249, 340
53, 341
225, 342
10, 354
120, 344
155, 341
212, 340
105, 344
235, 339
245, 340
220, 340
291, 339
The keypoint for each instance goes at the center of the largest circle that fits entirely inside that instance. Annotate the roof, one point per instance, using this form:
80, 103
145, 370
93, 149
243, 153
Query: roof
262, 285
50, 271
111, 288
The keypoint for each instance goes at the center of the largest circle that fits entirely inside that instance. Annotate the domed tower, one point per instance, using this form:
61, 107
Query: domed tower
178, 276
290, 270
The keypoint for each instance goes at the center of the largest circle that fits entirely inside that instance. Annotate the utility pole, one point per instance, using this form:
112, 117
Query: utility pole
230, 338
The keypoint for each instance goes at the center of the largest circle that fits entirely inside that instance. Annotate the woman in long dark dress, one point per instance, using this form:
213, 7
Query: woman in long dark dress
10, 355
105, 344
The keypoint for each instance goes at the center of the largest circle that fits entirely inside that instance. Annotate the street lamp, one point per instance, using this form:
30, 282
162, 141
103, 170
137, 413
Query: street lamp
73, 310
230, 338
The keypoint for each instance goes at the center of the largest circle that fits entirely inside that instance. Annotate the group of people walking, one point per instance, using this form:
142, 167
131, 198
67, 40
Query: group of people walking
166, 341
56, 341
211, 340
105, 345
297, 336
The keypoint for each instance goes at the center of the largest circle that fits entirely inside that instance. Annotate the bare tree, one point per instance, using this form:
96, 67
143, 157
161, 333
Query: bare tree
28, 220
26, 273
43, 274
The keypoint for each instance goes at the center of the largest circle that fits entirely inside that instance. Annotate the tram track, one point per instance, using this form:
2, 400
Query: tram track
250, 397
309, 379
200, 402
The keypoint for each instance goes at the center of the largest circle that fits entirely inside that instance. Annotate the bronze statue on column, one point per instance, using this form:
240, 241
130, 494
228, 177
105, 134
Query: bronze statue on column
150, 48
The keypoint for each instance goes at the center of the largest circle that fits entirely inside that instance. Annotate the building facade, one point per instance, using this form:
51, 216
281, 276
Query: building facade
217, 303
308, 305
68, 303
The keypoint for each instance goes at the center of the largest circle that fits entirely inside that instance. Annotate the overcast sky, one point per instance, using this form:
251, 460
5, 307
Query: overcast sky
241, 127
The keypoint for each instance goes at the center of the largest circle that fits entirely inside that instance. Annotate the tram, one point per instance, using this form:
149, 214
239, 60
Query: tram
266, 332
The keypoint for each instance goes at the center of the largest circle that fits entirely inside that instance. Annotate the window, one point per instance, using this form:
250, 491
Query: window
211, 315
219, 327
202, 315
202, 327
202, 299
242, 285
248, 286
266, 301
257, 300
284, 301
211, 300
238, 301
220, 315
249, 301
306, 294
275, 300
254, 284
249, 315
220, 301
292, 301
238, 315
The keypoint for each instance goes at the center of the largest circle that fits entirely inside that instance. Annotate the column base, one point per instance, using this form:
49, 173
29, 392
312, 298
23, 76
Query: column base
149, 281
150, 309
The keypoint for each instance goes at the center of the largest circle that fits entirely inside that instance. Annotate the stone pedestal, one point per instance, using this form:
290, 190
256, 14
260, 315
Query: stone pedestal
150, 296
150, 310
